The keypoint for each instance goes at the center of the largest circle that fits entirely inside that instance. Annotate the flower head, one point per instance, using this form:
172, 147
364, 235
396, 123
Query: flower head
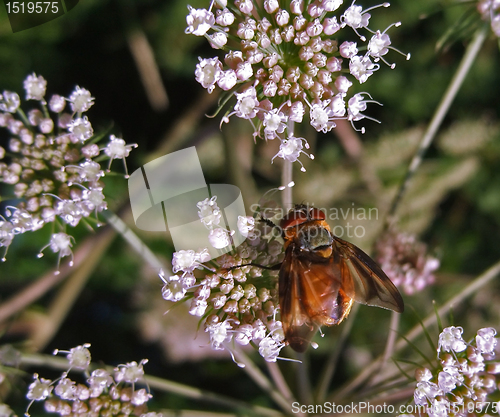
209, 212
102, 394
60, 243
35, 87
425, 391
245, 224
188, 260
355, 17
274, 123
130, 372
236, 302
54, 174
118, 149
219, 238
93, 199
9, 101
291, 148
486, 341
460, 378
361, 67
174, 288
490, 11
280, 56
269, 349
79, 357
39, 389
81, 129
322, 116
247, 104
220, 333
80, 100
65, 389
6, 235
450, 339
199, 21
406, 262
208, 72
98, 381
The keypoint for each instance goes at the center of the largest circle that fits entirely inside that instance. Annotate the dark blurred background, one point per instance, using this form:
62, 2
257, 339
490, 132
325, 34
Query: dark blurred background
100, 45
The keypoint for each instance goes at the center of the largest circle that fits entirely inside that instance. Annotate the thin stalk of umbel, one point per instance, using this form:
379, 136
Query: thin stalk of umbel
287, 176
443, 107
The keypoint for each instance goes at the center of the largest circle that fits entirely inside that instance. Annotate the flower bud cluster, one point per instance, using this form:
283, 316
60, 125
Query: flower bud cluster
51, 162
103, 393
466, 374
285, 59
490, 12
406, 262
237, 300
211, 215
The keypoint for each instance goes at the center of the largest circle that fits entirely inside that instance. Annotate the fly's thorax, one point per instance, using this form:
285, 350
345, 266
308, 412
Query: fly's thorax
314, 237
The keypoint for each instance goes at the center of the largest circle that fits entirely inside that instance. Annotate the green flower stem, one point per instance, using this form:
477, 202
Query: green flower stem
193, 413
303, 379
470, 289
203, 395
331, 364
456, 82
38, 288
353, 147
185, 127
60, 363
45, 110
133, 240
23, 117
287, 176
68, 294
238, 160
389, 347
279, 381
261, 380
302, 374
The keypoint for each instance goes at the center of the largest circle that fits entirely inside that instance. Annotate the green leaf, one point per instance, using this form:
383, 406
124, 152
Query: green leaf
401, 369
426, 333
415, 347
